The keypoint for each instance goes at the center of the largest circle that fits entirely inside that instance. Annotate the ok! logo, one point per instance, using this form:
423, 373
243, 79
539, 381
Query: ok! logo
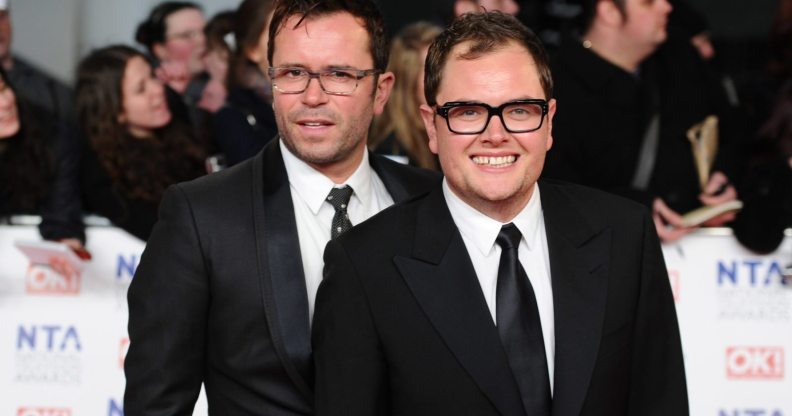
43, 411
42, 279
755, 363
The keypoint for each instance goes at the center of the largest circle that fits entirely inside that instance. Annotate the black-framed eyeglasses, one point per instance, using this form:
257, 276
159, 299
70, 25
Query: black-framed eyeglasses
290, 80
470, 117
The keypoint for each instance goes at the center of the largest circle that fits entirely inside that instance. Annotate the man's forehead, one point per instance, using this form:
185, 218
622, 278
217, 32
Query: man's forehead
464, 69
468, 54
339, 38
302, 22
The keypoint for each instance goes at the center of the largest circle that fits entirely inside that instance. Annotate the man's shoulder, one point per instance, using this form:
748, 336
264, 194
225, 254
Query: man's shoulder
404, 173
593, 203
393, 225
225, 186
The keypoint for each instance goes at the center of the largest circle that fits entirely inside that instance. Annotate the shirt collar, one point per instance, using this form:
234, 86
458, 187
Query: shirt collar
313, 187
483, 230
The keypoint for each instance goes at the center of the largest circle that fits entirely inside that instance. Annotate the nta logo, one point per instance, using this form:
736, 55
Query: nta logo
48, 338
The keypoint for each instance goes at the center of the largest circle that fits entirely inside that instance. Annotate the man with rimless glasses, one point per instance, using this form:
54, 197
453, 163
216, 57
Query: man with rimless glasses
225, 290
498, 293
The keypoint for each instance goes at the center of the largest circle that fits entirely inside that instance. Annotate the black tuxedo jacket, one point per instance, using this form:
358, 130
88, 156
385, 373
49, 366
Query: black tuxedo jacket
401, 326
219, 295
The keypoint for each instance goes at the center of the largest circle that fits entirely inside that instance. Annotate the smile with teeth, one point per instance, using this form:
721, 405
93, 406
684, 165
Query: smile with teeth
494, 161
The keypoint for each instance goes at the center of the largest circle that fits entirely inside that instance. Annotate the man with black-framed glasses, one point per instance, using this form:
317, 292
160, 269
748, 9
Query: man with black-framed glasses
225, 290
497, 293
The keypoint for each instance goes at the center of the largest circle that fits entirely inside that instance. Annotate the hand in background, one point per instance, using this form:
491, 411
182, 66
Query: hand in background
718, 191
175, 74
668, 222
61, 265
213, 96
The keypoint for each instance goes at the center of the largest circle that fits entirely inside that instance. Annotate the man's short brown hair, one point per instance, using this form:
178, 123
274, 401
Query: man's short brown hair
364, 10
486, 32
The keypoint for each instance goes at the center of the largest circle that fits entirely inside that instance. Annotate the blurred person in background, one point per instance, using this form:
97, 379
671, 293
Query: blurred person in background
399, 132
30, 83
630, 94
39, 165
219, 31
137, 148
476, 6
766, 186
246, 123
173, 34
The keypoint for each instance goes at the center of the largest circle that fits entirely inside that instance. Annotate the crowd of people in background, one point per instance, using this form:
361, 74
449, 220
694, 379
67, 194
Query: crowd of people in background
631, 78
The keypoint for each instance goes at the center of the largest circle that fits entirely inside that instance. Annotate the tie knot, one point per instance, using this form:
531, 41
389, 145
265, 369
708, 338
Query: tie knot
509, 237
339, 197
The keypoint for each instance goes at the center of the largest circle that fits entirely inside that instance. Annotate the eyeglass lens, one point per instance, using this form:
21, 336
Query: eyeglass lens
517, 117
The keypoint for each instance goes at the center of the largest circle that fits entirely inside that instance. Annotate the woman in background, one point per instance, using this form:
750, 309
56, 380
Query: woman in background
137, 148
399, 132
219, 30
39, 164
247, 122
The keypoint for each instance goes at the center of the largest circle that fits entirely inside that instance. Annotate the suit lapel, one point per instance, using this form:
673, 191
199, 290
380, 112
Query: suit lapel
443, 281
280, 267
579, 265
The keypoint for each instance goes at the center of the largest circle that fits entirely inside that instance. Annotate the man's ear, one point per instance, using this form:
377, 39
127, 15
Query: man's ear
609, 13
551, 109
428, 117
383, 90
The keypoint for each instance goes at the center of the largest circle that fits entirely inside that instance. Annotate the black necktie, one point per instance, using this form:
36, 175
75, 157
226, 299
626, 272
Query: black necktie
339, 199
519, 326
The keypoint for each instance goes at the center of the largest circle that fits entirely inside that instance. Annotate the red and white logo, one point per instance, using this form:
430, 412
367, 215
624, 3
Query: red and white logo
123, 347
755, 363
43, 280
43, 411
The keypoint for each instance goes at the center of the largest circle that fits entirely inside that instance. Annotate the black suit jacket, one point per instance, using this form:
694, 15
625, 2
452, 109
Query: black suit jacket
603, 113
219, 295
401, 327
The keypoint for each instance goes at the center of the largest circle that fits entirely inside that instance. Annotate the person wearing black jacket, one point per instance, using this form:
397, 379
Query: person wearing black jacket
617, 81
39, 163
246, 123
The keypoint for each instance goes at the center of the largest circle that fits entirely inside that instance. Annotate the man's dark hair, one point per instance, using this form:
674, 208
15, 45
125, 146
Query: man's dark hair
365, 10
152, 30
486, 32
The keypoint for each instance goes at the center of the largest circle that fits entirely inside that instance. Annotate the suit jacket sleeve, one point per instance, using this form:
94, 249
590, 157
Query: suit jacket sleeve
168, 302
658, 384
350, 368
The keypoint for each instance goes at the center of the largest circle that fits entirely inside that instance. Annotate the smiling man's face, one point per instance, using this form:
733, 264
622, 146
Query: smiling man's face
494, 171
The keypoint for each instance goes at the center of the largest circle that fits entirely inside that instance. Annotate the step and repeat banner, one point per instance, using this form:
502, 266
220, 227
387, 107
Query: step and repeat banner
63, 337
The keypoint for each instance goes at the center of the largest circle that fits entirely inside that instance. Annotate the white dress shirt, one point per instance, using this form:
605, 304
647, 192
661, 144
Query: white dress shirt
314, 215
479, 233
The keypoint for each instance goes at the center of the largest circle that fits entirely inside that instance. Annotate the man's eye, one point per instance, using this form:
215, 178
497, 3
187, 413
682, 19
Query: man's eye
341, 75
293, 73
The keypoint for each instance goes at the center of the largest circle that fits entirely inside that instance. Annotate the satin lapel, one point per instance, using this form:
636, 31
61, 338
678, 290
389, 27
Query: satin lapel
443, 281
579, 266
280, 267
